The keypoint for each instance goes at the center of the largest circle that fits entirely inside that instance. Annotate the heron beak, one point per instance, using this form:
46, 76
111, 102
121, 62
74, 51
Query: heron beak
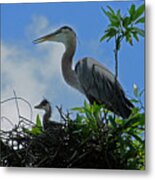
49, 37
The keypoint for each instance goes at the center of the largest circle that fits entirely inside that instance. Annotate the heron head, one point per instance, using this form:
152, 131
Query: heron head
44, 104
62, 35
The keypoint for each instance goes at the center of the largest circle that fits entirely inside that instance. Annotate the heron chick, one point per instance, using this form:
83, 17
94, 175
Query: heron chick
47, 123
45, 105
89, 76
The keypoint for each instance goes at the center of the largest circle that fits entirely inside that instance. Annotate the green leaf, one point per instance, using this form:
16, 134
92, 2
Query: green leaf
27, 131
129, 38
114, 19
142, 119
135, 90
79, 109
141, 32
79, 118
134, 14
136, 120
135, 36
36, 131
104, 37
126, 21
135, 110
138, 138
119, 13
38, 121
115, 22
111, 10
141, 20
118, 121
78, 131
140, 10
141, 93
112, 121
109, 38
132, 10
111, 32
134, 100
107, 13
85, 103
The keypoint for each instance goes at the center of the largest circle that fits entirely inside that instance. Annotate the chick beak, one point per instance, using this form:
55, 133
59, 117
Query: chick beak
37, 106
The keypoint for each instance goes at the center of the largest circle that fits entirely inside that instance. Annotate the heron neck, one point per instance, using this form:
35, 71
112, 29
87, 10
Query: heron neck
47, 115
67, 71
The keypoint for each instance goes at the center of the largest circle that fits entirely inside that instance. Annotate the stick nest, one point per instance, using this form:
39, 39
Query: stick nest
59, 146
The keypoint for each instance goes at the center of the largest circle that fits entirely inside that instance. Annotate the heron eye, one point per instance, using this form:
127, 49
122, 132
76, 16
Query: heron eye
44, 102
64, 30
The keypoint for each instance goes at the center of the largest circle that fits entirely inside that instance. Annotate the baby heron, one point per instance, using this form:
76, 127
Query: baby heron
47, 123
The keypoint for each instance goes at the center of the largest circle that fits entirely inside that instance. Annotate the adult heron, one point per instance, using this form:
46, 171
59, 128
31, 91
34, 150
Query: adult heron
90, 77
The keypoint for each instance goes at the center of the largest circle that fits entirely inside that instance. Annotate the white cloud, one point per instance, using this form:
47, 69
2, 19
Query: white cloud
38, 25
34, 73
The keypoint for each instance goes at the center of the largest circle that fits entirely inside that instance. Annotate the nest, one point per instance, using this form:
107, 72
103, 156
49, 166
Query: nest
69, 144
58, 147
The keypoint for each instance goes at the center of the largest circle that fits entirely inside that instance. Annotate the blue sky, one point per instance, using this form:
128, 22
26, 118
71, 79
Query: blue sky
27, 67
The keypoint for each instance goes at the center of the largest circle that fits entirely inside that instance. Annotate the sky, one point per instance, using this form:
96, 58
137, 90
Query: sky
33, 71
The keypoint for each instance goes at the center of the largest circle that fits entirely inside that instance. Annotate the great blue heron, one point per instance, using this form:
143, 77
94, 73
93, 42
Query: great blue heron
90, 77
47, 123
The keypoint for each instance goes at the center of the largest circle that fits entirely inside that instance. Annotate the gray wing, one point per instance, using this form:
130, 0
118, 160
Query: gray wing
98, 84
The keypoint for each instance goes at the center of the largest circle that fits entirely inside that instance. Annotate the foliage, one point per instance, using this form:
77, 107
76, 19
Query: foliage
124, 27
94, 138
122, 139
36, 129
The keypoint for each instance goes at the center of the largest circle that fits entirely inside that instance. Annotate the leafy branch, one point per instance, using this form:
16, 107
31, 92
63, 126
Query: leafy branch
123, 27
124, 139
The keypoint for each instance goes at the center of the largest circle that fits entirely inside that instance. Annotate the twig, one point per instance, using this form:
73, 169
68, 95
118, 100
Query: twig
3, 117
64, 117
30, 121
22, 99
16, 102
